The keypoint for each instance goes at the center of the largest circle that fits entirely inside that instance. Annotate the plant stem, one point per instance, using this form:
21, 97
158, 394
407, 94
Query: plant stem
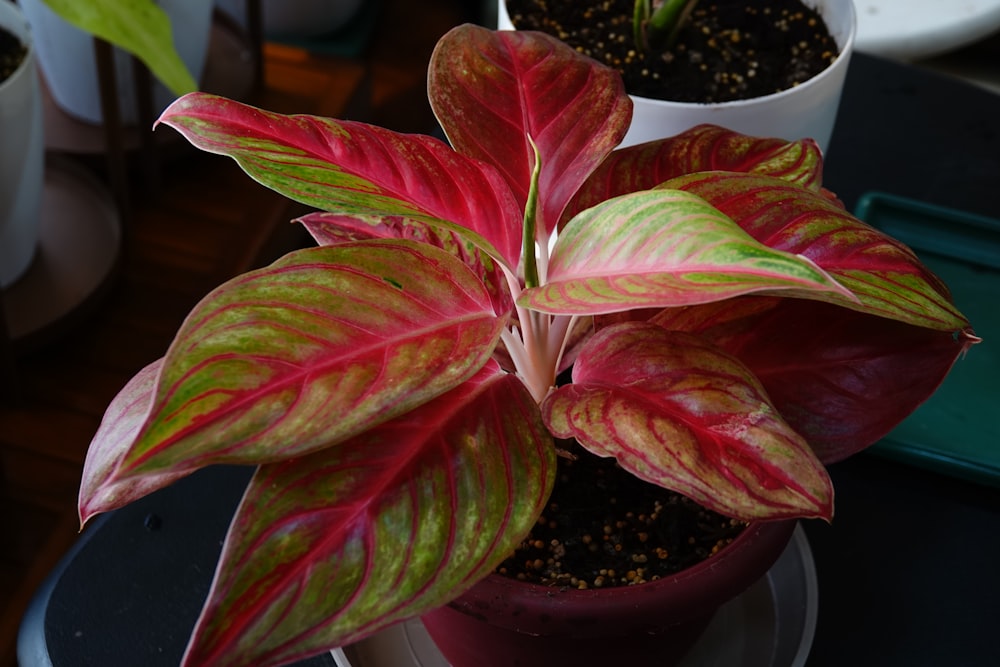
528, 250
663, 24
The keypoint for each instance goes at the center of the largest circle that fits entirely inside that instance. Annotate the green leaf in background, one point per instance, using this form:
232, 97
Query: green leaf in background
137, 26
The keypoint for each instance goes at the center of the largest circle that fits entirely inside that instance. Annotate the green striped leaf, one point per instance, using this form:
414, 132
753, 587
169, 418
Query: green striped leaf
885, 277
100, 490
664, 248
702, 148
841, 378
678, 412
328, 549
312, 350
352, 168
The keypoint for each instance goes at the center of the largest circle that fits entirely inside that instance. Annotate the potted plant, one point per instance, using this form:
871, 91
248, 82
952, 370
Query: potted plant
734, 43
143, 28
22, 160
728, 325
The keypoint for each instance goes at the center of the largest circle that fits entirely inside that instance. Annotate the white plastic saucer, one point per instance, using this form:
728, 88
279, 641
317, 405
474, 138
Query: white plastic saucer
772, 624
915, 29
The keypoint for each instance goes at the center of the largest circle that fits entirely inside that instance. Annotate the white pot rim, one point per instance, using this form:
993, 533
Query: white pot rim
845, 49
13, 21
845, 44
807, 110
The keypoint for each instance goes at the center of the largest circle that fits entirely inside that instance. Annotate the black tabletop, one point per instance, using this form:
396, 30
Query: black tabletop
908, 570
917, 134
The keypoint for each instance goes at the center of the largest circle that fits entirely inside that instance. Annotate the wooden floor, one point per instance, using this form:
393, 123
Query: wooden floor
208, 222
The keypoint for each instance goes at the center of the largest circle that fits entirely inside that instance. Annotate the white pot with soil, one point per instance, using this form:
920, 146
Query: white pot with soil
67, 62
22, 151
808, 109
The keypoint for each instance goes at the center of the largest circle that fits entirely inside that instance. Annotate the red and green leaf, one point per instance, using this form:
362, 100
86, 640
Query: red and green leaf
354, 168
327, 549
99, 491
884, 275
660, 248
527, 85
312, 350
841, 378
702, 148
477, 253
679, 412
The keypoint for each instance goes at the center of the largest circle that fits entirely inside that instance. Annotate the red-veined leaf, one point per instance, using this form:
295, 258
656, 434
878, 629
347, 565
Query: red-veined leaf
660, 248
841, 378
885, 276
121, 424
702, 148
354, 168
472, 249
679, 412
522, 85
312, 350
327, 549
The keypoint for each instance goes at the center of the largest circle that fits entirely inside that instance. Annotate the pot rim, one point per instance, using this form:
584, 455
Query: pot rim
12, 19
694, 591
846, 48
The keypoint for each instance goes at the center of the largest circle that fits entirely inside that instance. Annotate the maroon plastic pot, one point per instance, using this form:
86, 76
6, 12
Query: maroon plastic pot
501, 622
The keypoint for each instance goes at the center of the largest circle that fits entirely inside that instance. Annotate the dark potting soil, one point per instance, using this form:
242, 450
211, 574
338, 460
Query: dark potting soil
12, 52
727, 50
603, 527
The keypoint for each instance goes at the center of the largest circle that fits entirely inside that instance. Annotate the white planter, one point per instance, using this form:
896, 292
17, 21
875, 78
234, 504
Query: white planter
22, 156
66, 58
296, 18
807, 110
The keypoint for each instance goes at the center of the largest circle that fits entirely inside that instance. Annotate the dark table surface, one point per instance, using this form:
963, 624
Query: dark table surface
909, 570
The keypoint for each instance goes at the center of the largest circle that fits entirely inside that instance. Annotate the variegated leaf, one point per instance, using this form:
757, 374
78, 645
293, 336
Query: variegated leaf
679, 412
312, 350
885, 276
522, 86
841, 378
472, 249
327, 549
354, 168
121, 424
660, 248
702, 148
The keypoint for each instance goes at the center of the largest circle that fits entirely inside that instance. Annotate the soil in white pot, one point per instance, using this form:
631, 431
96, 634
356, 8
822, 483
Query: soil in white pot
12, 53
727, 50
603, 527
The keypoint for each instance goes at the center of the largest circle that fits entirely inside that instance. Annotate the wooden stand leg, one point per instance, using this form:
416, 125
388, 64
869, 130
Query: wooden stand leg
113, 129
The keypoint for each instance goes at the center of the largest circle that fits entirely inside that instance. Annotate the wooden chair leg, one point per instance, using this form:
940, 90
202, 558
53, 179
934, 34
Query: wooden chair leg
113, 129
255, 33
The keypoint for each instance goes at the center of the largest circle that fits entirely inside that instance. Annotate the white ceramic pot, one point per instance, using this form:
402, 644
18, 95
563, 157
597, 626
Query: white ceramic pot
66, 58
296, 18
807, 110
22, 156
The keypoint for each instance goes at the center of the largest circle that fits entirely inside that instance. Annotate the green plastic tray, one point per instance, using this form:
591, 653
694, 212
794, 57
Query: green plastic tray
957, 431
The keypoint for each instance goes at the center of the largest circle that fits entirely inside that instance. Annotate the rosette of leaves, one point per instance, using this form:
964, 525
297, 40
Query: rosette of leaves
729, 327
